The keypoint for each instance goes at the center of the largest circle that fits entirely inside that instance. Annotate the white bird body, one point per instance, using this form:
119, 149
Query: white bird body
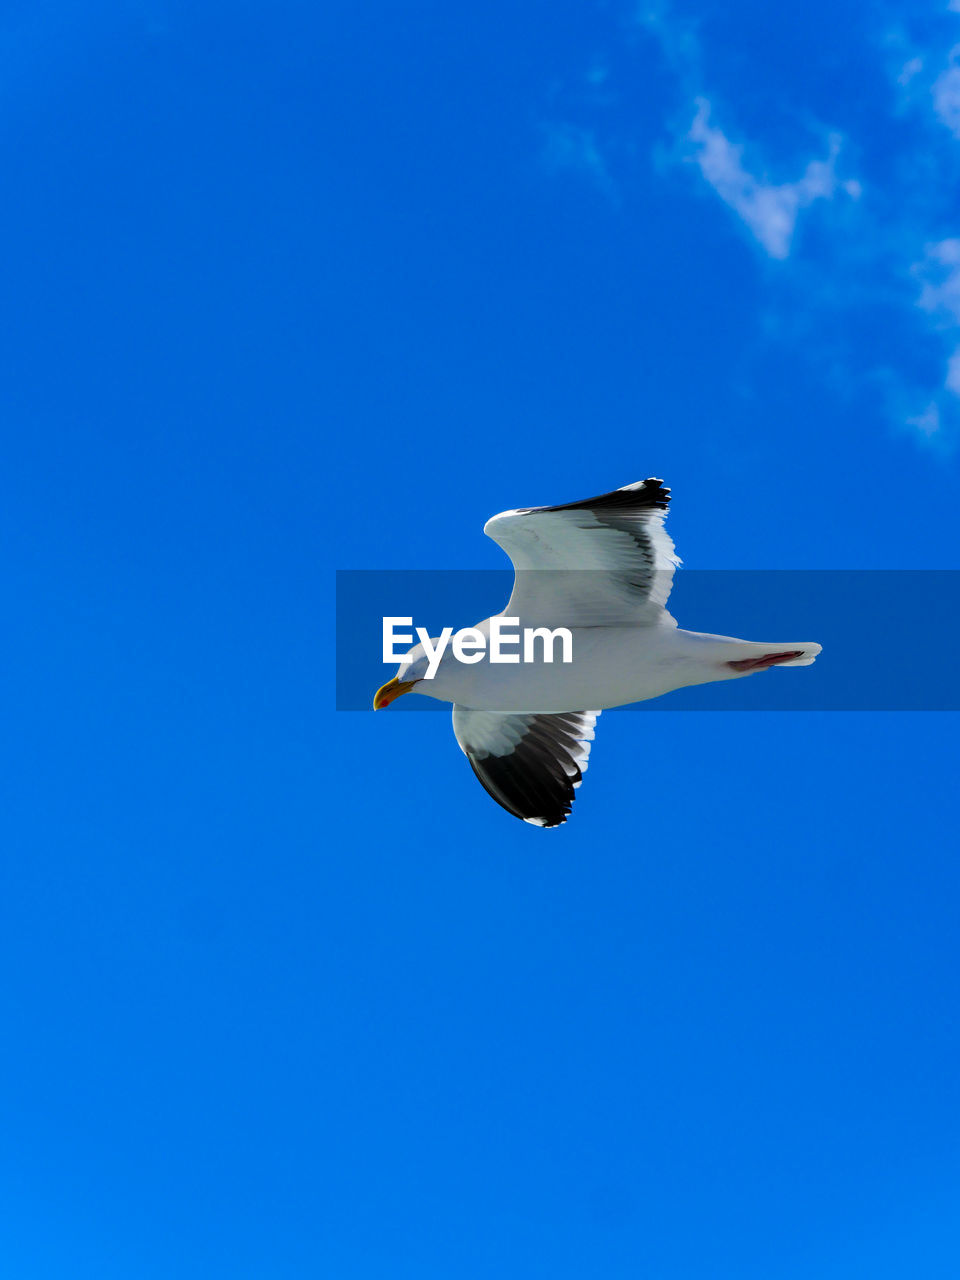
602, 569
610, 667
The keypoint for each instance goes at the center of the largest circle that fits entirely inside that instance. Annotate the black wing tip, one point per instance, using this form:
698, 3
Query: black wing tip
512, 791
650, 494
537, 781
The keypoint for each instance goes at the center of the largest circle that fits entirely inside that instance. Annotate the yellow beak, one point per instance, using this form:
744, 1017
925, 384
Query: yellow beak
391, 691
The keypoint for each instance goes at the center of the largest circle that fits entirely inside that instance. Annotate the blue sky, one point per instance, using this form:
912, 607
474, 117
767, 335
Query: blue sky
294, 288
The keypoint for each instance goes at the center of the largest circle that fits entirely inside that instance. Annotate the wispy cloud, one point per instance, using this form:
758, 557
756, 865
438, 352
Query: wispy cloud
769, 209
928, 422
946, 93
886, 236
679, 42
939, 274
894, 253
569, 148
910, 70
929, 81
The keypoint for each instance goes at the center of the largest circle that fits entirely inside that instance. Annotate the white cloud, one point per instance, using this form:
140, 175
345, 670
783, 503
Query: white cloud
946, 93
911, 68
862, 258
678, 41
927, 422
769, 210
939, 272
568, 148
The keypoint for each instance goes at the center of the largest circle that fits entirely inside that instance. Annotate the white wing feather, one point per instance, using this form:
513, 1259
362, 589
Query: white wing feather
605, 561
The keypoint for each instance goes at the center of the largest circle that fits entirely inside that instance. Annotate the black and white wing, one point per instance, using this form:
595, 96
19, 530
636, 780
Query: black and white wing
599, 562
530, 764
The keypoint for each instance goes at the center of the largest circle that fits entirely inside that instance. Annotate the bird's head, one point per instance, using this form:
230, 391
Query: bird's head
411, 671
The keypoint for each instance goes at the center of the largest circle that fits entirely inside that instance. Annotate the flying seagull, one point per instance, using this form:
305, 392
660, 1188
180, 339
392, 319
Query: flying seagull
602, 568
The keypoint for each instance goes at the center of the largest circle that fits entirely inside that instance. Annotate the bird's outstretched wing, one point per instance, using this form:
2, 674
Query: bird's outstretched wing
602, 561
530, 764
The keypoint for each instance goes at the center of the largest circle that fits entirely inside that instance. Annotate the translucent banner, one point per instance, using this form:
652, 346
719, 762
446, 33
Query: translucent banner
889, 637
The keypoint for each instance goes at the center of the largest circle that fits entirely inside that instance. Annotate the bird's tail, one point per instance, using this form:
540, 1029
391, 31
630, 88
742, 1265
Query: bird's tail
757, 656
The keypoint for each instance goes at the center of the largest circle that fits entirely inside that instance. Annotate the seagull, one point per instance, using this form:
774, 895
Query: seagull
603, 568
